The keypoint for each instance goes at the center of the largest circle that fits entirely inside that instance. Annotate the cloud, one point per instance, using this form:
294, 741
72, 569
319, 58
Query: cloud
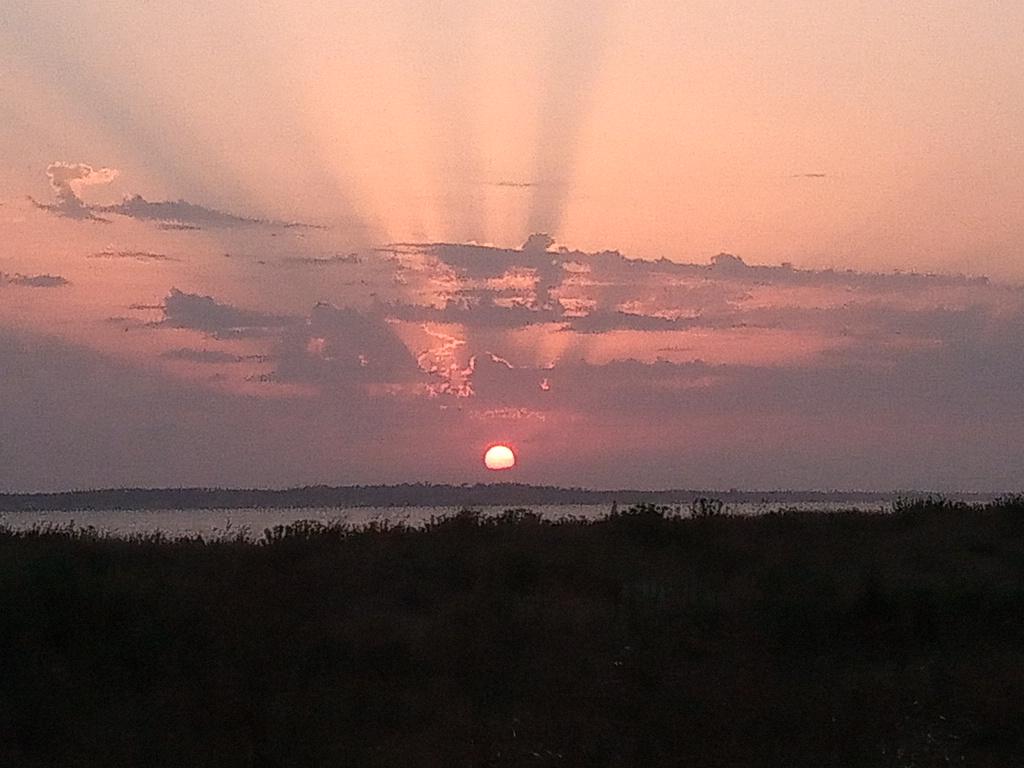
818, 349
606, 291
331, 346
185, 216
67, 181
74, 418
200, 355
324, 261
487, 289
479, 262
469, 260
34, 281
565, 352
538, 243
603, 321
205, 314
132, 255
945, 391
177, 213
481, 313
342, 347
509, 414
170, 226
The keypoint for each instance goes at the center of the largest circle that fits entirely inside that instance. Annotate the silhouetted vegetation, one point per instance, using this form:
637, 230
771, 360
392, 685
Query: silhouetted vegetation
656, 637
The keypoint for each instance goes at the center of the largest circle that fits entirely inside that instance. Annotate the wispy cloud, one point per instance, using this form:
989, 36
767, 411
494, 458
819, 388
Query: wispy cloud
177, 213
323, 261
68, 179
171, 226
183, 216
190, 355
34, 281
131, 256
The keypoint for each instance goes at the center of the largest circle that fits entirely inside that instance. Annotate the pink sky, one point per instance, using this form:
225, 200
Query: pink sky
286, 245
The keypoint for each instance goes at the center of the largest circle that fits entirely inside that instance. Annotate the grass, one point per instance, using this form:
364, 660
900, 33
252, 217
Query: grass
644, 639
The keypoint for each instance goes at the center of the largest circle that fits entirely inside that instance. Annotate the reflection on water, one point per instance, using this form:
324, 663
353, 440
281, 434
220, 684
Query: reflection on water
220, 523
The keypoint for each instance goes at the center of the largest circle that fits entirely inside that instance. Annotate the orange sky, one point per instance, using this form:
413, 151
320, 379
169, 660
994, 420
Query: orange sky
282, 153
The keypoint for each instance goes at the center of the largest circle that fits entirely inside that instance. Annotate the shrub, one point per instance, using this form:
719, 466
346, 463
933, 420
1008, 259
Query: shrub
703, 507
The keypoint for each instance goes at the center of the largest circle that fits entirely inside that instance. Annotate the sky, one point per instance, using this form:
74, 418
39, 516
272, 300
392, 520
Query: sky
654, 244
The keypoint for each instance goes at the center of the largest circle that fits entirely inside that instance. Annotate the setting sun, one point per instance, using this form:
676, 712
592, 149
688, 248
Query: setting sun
499, 457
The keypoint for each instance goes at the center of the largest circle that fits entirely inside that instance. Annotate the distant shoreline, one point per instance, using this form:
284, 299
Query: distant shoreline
424, 495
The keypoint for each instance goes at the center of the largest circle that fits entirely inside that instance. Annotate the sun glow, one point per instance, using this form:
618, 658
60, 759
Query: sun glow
499, 457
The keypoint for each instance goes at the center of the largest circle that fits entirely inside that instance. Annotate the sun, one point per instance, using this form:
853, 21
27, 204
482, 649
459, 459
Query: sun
499, 457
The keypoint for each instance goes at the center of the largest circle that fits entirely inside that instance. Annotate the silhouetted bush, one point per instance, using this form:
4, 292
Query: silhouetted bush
645, 639
704, 507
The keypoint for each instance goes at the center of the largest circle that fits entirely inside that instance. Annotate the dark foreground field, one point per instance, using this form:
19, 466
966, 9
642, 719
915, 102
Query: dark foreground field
641, 640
